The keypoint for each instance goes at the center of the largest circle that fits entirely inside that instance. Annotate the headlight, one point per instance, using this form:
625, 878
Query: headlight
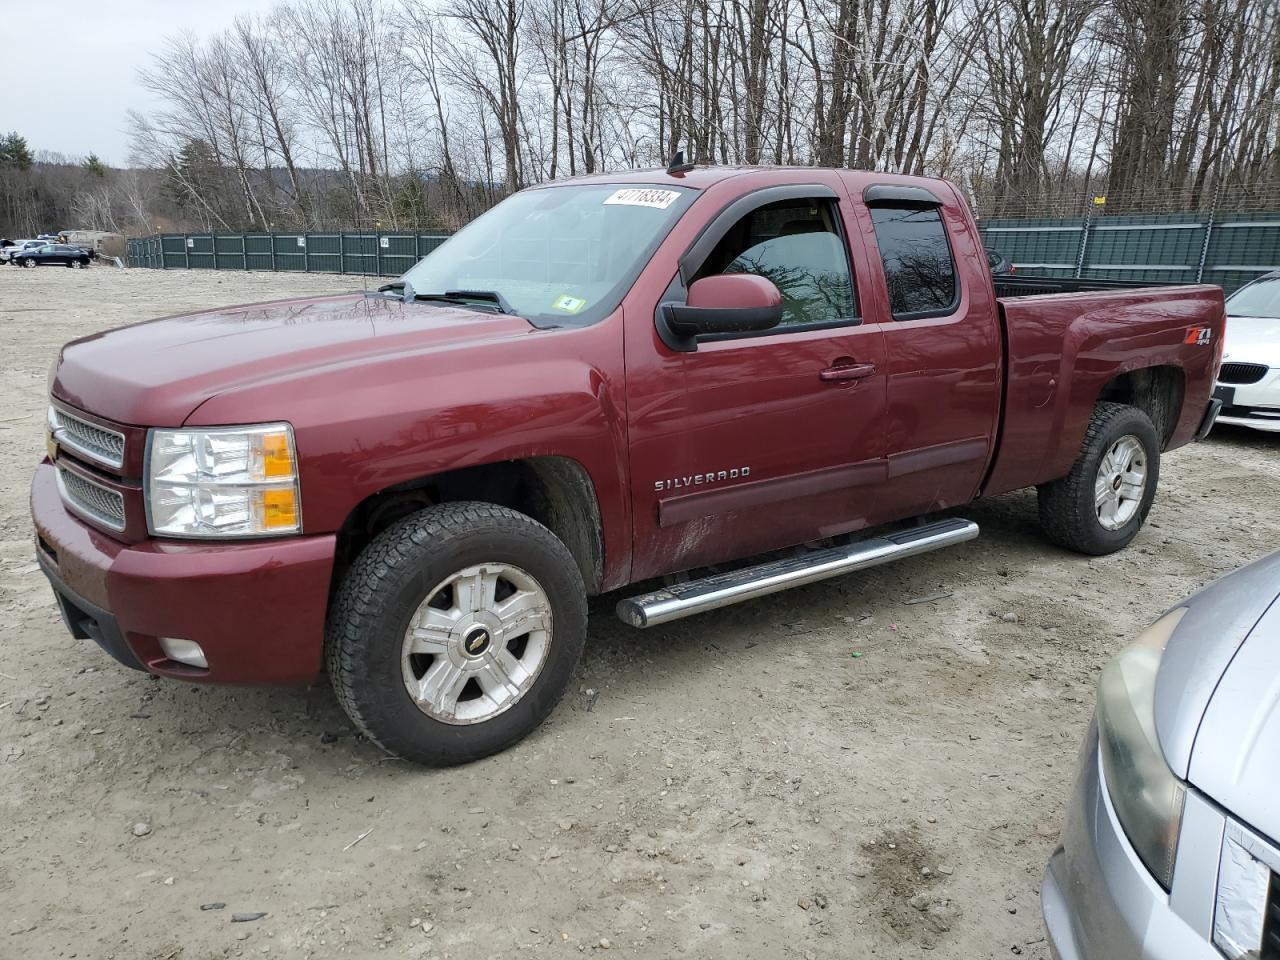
223, 482
1147, 797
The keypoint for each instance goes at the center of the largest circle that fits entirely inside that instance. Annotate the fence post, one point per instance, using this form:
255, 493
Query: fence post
1208, 231
186, 250
342, 252
213, 245
377, 253
306, 253
1084, 241
273, 253
244, 250
417, 247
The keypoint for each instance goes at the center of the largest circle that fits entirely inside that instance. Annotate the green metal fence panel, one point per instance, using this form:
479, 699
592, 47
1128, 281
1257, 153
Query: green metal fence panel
397, 253
324, 252
1045, 248
229, 252
359, 253
1163, 249
1241, 247
257, 252
1229, 249
375, 254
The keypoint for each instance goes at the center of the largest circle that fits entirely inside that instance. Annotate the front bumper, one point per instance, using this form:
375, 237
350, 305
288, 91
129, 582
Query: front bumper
1254, 405
257, 608
1098, 899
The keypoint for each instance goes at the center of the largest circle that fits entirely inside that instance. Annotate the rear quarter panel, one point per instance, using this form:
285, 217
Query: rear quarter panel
1064, 349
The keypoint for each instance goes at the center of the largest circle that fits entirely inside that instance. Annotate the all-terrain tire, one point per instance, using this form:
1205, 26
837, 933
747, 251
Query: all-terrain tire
386, 585
1069, 514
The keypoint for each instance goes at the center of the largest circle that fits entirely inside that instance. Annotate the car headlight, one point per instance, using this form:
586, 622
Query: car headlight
1146, 795
223, 482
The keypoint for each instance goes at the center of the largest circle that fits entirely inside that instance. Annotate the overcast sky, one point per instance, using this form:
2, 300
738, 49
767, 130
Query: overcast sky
70, 66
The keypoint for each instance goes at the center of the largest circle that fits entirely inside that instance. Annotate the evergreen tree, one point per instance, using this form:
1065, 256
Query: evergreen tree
14, 152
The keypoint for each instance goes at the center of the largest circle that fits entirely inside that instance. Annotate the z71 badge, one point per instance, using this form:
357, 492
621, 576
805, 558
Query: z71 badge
698, 479
1199, 336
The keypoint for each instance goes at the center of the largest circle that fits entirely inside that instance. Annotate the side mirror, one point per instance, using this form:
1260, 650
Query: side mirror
727, 303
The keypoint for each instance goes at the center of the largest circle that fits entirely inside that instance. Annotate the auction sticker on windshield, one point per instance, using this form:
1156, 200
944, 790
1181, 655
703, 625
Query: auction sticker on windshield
569, 304
642, 197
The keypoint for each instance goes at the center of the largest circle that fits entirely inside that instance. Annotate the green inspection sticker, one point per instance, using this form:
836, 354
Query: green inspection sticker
569, 304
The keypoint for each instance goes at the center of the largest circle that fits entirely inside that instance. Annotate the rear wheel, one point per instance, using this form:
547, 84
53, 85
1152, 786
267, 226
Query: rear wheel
456, 631
1100, 506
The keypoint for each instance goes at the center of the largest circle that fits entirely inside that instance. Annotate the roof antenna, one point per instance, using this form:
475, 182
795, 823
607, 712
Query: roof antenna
677, 166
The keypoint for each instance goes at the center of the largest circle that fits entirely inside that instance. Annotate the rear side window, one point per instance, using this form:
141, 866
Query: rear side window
796, 244
918, 267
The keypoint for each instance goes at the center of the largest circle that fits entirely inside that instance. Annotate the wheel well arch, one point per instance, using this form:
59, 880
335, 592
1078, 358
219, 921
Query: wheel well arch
1157, 391
555, 491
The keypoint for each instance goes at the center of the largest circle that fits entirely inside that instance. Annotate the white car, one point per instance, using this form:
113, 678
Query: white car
1171, 849
1249, 382
8, 253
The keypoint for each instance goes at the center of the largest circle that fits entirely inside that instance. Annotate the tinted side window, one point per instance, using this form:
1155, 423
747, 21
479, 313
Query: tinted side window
797, 245
918, 268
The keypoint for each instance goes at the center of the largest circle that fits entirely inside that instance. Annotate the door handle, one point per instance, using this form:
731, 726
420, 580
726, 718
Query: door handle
851, 371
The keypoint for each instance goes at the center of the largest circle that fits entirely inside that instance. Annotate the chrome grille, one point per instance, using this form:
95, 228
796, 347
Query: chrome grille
95, 442
92, 500
1242, 372
1271, 923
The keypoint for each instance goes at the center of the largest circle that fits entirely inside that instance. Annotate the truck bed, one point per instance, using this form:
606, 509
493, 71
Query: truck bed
1067, 348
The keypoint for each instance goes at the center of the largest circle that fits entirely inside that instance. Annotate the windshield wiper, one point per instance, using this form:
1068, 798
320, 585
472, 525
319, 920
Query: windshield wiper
462, 298
499, 302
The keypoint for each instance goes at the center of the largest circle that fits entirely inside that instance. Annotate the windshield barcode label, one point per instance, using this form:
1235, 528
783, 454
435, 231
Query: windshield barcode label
644, 197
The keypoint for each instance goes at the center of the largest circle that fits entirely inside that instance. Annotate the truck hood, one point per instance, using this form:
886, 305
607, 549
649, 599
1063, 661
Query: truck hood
1253, 340
157, 372
1233, 760
1217, 621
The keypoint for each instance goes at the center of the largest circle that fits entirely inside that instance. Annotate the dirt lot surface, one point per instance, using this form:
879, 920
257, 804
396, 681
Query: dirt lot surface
870, 767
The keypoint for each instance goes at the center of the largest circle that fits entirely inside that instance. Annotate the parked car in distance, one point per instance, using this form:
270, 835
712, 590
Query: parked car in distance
1171, 849
52, 255
1001, 266
1249, 381
597, 383
22, 245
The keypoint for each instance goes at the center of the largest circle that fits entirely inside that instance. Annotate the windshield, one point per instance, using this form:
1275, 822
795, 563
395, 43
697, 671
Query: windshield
1261, 299
559, 255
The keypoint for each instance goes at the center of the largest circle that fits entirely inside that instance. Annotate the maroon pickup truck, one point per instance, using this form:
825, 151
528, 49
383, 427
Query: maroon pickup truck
683, 374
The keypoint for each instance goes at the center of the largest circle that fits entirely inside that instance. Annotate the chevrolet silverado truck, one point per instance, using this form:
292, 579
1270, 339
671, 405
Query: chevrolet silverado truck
721, 382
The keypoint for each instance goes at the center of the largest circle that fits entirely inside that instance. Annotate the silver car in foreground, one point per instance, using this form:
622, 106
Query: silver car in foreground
1172, 842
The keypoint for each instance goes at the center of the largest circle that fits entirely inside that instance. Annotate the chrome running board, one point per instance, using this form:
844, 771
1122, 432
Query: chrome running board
722, 589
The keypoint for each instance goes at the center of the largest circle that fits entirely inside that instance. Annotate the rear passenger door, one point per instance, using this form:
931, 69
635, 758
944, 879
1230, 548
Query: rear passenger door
942, 345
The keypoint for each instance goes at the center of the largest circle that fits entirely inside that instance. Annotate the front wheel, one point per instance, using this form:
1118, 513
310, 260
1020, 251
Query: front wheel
1100, 506
455, 632
76, 264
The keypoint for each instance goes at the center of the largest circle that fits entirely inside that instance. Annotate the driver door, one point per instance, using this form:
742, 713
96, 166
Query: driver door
757, 441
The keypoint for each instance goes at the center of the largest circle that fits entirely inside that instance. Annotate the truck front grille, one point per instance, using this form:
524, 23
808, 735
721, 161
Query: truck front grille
95, 442
1271, 924
92, 500
1242, 372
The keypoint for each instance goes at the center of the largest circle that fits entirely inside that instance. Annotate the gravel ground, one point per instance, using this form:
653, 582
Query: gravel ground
870, 767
